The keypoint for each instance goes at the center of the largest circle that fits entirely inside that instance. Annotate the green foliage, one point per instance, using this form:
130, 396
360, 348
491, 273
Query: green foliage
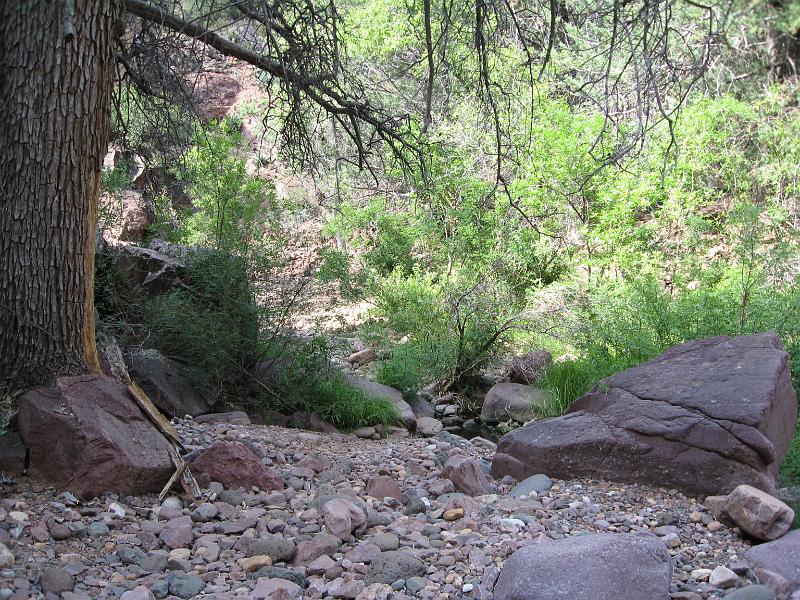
211, 326
229, 207
115, 180
453, 325
307, 382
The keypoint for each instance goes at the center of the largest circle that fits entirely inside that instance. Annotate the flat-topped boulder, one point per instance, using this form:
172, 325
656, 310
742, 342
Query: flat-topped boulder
704, 417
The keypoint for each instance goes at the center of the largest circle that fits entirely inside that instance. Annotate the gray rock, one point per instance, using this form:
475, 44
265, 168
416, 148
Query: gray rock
166, 384
364, 432
752, 592
782, 556
428, 426
160, 588
204, 512
97, 529
415, 584
388, 567
513, 401
281, 573
55, 580
138, 593
386, 541
538, 483
6, 557
588, 567
278, 548
184, 585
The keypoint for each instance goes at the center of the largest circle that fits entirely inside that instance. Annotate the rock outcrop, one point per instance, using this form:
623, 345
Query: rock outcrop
214, 95
88, 435
153, 271
703, 417
588, 567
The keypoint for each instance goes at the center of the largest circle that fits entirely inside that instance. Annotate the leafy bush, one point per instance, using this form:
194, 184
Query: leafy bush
454, 325
229, 206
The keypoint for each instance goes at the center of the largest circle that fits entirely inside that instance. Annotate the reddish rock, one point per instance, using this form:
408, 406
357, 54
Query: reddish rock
384, 487
466, 475
322, 544
234, 466
343, 517
703, 417
88, 435
214, 95
781, 556
177, 533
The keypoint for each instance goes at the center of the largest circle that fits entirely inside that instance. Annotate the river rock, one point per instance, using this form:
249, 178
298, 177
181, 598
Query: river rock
235, 466
467, 475
390, 566
703, 417
757, 513
589, 567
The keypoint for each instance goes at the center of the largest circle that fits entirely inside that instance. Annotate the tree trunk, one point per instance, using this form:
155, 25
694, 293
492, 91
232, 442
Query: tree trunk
56, 68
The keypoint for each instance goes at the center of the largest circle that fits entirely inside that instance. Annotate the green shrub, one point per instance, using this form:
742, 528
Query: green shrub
228, 205
453, 324
414, 364
211, 326
306, 381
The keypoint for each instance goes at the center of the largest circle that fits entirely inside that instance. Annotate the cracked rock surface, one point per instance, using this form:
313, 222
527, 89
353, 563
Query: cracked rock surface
703, 417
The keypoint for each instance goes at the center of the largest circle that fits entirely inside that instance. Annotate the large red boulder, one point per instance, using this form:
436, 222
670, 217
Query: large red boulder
704, 417
235, 466
88, 435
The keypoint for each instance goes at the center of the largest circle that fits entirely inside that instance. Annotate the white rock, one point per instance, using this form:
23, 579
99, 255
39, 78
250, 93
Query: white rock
722, 577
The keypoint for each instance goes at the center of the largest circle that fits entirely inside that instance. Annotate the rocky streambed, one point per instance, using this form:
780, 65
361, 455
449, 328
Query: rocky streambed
343, 517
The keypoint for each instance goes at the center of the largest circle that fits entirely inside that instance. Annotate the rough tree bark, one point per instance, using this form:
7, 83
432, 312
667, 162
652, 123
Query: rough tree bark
56, 67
